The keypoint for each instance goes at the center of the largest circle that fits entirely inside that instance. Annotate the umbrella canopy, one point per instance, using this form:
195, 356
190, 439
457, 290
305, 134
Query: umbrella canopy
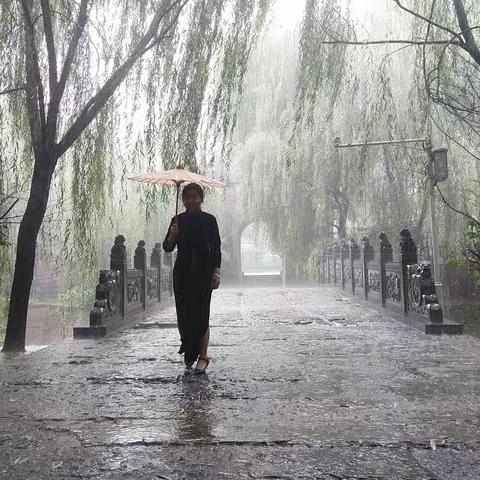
176, 177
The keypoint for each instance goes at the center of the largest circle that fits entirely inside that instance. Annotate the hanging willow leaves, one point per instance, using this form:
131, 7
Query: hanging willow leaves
173, 77
79, 64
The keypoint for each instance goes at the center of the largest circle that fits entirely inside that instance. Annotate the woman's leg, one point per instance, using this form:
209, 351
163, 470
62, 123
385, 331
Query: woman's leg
204, 350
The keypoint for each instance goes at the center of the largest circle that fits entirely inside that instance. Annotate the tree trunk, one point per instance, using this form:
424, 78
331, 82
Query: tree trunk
26, 247
342, 222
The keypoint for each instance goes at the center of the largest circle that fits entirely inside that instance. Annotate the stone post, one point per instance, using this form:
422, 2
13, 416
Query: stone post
385, 255
140, 263
343, 258
156, 262
118, 263
408, 256
354, 254
335, 261
367, 255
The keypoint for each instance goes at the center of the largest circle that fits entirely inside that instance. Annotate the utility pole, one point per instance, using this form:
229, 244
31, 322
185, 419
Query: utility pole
438, 171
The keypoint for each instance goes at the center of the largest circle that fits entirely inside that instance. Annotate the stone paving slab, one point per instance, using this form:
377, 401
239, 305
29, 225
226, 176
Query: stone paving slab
303, 383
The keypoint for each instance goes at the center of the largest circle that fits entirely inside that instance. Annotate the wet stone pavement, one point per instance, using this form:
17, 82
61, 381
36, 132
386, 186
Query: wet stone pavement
303, 384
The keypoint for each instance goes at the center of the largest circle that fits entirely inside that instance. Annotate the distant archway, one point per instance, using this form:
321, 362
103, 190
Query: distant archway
256, 254
249, 245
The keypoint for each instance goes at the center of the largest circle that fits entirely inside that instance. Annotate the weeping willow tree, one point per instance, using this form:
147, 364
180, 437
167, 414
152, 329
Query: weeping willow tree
354, 89
77, 73
445, 34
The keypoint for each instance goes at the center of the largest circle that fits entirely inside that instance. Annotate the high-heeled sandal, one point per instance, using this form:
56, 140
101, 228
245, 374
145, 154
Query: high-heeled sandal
201, 370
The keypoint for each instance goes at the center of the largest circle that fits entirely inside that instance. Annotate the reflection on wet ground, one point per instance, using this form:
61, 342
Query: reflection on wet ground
195, 418
49, 324
303, 383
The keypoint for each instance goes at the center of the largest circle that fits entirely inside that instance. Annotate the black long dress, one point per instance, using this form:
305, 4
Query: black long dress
198, 243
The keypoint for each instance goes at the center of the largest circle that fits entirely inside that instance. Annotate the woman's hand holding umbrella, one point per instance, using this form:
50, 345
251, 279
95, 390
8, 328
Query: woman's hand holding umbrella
173, 231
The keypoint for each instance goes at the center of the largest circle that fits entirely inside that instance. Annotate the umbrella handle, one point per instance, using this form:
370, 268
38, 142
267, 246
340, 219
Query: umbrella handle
176, 206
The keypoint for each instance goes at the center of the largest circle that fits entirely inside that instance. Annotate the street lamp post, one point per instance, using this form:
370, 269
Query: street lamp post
438, 172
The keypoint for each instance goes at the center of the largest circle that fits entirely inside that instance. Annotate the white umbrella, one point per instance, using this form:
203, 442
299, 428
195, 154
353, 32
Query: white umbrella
177, 177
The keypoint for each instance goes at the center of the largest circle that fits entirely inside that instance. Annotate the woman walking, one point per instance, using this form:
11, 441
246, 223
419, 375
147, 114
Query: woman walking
195, 274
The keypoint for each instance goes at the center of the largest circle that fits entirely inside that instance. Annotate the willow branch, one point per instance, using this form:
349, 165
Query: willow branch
386, 42
9, 209
163, 34
77, 32
49, 40
464, 24
13, 90
57, 94
469, 45
98, 101
456, 210
425, 19
33, 86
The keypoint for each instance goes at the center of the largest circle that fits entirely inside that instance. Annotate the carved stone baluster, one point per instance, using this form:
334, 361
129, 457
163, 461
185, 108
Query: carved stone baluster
140, 263
408, 256
367, 255
354, 255
343, 259
336, 264
385, 255
118, 262
156, 262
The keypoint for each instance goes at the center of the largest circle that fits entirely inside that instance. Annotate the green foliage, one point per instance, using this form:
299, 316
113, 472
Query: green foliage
265, 117
472, 250
294, 180
177, 105
78, 296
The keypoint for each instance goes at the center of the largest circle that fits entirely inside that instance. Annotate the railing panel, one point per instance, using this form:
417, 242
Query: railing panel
134, 290
374, 285
405, 286
165, 282
347, 273
393, 289
358, 278
152, 286
124, 291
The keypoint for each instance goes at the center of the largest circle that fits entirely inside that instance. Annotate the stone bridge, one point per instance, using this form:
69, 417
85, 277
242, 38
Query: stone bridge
330, 381
309, 383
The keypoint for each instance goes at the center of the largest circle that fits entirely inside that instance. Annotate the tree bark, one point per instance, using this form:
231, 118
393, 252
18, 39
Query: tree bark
26, 248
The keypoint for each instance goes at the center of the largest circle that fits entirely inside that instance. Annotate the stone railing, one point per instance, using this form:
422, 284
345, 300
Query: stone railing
404, 286
123, 293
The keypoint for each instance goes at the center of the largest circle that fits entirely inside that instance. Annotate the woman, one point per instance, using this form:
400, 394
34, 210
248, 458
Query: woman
195, 274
